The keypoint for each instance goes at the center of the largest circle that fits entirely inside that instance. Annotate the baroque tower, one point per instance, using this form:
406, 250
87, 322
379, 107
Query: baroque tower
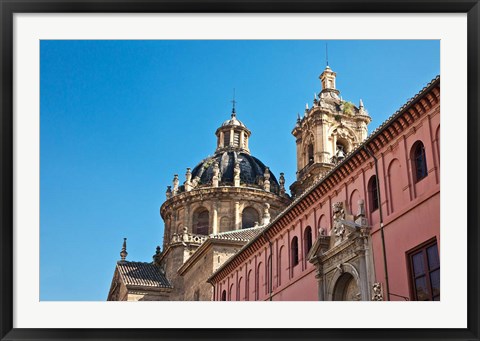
229, 191
328, 131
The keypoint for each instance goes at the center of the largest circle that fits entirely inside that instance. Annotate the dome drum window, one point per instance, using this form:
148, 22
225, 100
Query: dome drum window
250, 216
201, 220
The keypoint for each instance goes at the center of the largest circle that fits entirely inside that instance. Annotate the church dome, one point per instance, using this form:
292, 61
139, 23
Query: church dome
233, 122
252, 170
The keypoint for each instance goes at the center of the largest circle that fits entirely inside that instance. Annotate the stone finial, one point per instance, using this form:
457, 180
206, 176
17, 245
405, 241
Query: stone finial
360, 218
185, 234
157, 254
266, 214
124, 253
315, 99
188, 180
216, 172
168, 193
306, 106
266, 180
361, 208
297, 124
175, 184
361, 109
281, 181
195, 181
236, 174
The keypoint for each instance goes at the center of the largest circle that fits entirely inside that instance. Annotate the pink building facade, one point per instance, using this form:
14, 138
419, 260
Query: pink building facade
369, 229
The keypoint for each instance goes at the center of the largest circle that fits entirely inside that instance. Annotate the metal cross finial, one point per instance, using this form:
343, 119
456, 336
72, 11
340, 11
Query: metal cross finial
233, 102
326, 52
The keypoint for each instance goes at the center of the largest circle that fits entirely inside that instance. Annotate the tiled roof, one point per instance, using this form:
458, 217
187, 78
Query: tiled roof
142, 274
244, 234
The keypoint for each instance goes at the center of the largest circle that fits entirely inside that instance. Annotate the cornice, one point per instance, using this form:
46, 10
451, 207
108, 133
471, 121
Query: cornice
209, 193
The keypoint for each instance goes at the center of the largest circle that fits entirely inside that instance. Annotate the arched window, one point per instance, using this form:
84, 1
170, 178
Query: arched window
419, 161
373, 193
230, 293
307, 238
281, 257
269, 275
226, 138
294, 250
201, 221
310, 153
249, 217
224, 295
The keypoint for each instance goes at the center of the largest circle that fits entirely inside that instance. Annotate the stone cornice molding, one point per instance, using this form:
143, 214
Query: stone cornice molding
208, 193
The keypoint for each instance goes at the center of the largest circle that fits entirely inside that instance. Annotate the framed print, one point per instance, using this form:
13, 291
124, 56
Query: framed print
158, 158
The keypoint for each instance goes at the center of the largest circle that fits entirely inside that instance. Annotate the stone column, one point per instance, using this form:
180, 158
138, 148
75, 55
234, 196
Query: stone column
187, 221
214, 217
321, 282
242, 139
231, 137
300, 164
222, 136
238, 222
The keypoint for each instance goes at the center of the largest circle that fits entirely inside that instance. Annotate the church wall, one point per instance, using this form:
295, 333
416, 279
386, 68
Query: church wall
173, 262
147, 296
411, 212
198, 289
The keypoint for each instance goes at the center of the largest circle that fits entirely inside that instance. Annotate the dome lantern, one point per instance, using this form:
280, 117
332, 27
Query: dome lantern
233, 135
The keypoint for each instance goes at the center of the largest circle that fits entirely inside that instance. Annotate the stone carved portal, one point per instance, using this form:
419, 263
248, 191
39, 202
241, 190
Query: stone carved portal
343, 259
346, 289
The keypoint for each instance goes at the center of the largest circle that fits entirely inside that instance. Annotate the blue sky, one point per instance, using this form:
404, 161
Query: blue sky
119, 118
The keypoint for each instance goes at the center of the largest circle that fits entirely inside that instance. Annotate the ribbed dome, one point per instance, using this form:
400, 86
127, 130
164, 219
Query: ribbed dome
251, 170
233, 122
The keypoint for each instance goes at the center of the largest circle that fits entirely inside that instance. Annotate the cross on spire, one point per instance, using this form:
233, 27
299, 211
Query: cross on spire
326, 52
233, 102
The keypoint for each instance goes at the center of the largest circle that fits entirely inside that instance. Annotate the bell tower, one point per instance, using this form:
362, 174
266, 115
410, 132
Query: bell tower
329, 130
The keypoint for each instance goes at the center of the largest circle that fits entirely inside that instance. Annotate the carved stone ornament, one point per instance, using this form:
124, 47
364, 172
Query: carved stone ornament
377, 292
338, 216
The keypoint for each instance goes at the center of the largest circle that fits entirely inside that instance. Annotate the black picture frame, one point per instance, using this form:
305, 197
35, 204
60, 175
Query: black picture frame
9, 8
